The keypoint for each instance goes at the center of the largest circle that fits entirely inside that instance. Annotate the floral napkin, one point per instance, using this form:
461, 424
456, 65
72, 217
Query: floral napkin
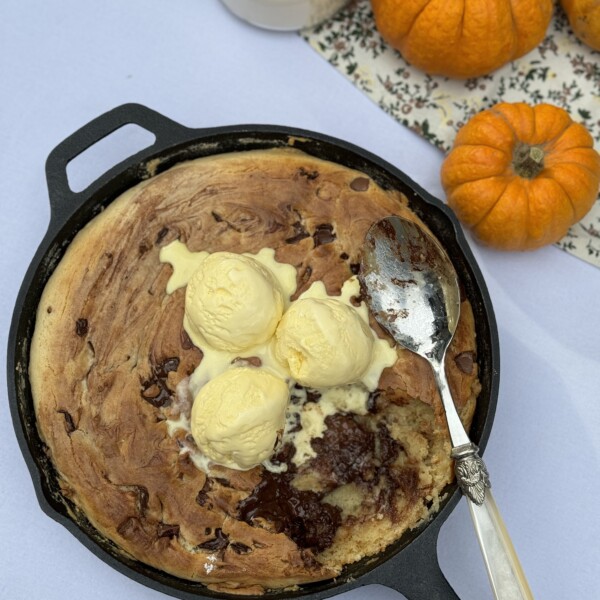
560, 71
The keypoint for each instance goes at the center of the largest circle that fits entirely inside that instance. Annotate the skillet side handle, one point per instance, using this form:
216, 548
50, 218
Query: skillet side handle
418, 575
164, 129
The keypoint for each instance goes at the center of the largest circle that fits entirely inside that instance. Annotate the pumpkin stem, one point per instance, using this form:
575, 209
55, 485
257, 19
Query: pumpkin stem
528, 161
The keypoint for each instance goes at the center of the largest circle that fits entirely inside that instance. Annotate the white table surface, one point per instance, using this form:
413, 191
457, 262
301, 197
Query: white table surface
62, 63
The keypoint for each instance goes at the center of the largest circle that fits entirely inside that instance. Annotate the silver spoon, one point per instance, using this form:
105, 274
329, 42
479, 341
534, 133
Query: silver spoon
412, 290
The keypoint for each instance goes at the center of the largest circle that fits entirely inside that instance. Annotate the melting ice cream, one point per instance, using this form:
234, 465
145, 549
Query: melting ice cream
257, 345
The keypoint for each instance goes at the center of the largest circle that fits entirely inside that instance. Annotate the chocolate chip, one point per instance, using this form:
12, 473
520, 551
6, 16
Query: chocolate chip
155, 389
297, 238
222, 481
151, 391
372, 401
310, 175
360, 184
285, 455
464, 361
323, 234
161, 235
81, 327
240, 548
202, 496
219, 542
69, 423
163, 368
300, 233
167, 530
156, 392
297, 426
312, 395
49, 310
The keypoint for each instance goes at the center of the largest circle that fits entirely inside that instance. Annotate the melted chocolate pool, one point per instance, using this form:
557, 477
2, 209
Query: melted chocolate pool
301, 515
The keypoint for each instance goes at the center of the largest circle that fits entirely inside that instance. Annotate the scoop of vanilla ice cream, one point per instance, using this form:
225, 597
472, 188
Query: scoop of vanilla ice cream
232, 301
237, 416
323, 342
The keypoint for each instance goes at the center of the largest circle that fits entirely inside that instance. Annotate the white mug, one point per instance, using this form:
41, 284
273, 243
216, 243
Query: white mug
284, 15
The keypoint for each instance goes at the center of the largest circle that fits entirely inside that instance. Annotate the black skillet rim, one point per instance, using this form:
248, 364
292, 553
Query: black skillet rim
175, 143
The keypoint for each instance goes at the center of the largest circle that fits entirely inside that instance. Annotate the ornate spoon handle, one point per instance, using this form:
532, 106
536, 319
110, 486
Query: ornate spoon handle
504, 569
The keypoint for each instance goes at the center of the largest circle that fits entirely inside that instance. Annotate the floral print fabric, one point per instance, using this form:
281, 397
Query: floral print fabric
561, 71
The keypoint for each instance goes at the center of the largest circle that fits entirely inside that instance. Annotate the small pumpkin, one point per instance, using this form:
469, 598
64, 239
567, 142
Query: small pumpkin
462, 38
584, 18
519, 176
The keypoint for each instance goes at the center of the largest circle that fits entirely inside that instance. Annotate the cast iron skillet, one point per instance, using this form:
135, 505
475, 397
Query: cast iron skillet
410, 565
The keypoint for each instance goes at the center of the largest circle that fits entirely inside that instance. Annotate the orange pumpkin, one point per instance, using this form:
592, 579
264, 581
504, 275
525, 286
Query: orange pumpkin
584, 18
462, 38
519, 176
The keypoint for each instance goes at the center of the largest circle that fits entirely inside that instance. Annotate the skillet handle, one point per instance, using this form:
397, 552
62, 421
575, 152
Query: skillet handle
418, 575
164, 129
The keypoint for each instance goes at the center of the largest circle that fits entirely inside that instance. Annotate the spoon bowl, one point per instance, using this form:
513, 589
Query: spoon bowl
416, 295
